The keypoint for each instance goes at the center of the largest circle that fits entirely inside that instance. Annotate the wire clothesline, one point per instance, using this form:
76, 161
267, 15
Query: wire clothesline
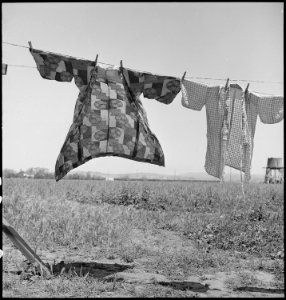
244, 80
187, 77
21, 66
56, 53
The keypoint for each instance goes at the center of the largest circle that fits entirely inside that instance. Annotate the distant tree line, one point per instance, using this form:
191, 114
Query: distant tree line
44, 173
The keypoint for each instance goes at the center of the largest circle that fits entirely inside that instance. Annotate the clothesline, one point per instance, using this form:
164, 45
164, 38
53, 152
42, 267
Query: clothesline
187, 77
244, 80
55, 53
224, 116
23, 66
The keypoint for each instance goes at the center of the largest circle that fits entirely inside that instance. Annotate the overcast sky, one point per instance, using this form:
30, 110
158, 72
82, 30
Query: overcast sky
214, 40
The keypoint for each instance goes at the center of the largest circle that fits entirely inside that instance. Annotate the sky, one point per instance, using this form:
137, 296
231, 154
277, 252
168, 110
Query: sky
240, 41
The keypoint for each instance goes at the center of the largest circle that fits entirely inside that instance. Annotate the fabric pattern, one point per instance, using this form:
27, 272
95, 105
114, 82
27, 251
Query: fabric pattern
231, 122
109, 119
239, 139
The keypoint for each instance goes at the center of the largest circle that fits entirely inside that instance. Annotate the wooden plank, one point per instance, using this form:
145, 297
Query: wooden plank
24, 247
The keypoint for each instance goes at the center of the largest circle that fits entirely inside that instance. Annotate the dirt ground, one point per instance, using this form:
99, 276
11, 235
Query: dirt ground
145, 282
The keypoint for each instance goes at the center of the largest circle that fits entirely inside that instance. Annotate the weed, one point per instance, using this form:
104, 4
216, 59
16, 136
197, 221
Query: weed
103, 217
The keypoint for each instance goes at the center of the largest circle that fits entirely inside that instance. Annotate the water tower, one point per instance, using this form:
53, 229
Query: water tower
274, 171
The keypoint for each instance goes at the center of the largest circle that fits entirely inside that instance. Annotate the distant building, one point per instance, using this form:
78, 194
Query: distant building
109, 179
25, 175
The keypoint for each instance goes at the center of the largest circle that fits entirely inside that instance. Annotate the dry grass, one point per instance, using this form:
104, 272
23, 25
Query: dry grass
219, 228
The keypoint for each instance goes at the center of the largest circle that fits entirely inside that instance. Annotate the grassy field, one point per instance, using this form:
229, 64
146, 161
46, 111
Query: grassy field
176, 230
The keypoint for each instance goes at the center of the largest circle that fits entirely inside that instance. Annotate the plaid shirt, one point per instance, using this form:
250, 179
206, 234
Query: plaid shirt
231, 122
109, 119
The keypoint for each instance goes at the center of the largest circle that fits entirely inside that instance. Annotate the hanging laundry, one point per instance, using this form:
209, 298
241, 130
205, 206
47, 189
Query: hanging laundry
4, 69
109, 119
231, 122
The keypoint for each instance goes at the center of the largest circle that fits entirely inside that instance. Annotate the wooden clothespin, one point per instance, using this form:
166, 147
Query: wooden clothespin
184, 76
226, 85
246, 90
30, 45
121, 64
96, 59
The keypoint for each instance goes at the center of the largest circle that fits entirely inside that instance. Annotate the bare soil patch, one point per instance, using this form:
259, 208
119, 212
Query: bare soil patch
118, 278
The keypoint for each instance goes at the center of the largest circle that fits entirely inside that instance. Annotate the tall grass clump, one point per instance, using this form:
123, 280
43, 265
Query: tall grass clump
103, 214
253, 224
47, 220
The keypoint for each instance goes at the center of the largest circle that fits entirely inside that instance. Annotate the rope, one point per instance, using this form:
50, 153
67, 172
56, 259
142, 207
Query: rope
54, 53
205, 78
15, 45
244, 80
262, 93
21, 66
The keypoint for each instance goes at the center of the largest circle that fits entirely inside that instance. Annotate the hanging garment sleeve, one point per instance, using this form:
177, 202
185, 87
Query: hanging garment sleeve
271, 109
161, 88
194, 94
63, 68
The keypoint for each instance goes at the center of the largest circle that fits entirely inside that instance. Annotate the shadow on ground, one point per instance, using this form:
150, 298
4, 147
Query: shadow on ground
187, 285
260, 290
93, 269
202, 288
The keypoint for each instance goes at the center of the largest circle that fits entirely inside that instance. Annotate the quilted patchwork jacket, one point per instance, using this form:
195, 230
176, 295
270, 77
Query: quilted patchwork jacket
109, 119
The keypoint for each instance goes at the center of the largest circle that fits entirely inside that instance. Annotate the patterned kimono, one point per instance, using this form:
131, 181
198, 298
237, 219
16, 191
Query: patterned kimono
109, 119
231, 122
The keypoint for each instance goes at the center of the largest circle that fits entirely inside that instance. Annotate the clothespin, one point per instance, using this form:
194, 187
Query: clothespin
121, 64
246, 90
30, 45
96, 59
226, 85
184, 76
